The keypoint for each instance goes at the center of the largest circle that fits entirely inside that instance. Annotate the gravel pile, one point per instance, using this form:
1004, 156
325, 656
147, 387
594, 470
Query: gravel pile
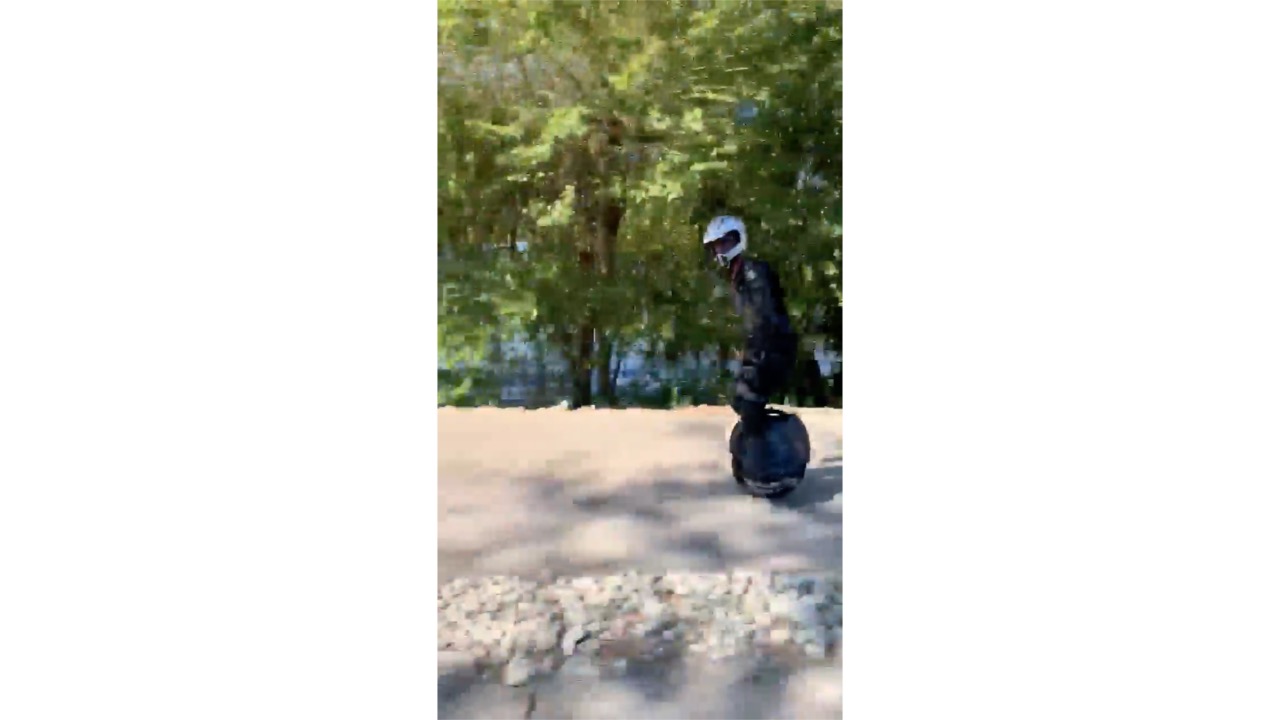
519, 628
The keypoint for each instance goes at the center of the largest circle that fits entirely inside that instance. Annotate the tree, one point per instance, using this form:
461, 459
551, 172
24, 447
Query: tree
604, 134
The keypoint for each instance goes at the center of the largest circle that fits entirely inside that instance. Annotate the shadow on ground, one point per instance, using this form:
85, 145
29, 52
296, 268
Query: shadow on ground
596, 492
679, 686
821, 485
696, 520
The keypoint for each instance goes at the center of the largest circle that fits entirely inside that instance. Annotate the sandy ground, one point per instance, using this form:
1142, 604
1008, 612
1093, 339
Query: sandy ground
599, 491
591, 492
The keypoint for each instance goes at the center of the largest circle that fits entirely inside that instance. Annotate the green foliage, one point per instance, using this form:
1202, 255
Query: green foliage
558, 118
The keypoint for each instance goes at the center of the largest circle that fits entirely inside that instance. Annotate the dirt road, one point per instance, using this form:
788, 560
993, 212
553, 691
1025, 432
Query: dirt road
595, 492
599, 491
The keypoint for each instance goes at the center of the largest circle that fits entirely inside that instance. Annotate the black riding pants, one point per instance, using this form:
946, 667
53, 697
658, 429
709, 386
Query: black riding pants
762, 375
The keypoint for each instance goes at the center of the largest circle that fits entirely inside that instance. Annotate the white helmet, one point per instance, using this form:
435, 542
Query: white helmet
720, 227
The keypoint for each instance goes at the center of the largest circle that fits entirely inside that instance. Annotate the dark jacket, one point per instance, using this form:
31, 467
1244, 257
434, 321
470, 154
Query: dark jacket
759, 299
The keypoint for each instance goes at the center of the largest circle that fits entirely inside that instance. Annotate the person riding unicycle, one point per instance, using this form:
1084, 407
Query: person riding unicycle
770, 348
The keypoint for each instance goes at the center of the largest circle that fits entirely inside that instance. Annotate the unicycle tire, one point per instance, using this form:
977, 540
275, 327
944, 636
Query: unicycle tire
768, 491
787, 483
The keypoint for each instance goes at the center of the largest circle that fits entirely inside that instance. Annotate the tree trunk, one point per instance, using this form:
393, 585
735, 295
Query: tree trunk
606, 252
812, 387
584, 341
603, 218
617, 368
540, 373
604, 381
581, 367
497, 362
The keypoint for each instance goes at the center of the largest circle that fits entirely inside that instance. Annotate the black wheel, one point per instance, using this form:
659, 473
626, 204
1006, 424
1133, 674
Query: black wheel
769, 491
786, 490
781, 490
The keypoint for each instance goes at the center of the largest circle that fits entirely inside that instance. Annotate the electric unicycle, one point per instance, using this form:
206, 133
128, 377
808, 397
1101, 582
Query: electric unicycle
785, 456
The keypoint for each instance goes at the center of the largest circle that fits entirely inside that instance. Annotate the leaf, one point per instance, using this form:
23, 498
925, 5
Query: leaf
711, 165
502, 131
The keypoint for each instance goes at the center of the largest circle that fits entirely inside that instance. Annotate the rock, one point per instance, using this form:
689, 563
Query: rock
572, 637
806, 613
576, 616
580, 666
545, 640
501, 620
455, 663
822, 587
453, 613
678, 583
518, 672
814, 693
653, 608
507, 646
822, 635
781, 605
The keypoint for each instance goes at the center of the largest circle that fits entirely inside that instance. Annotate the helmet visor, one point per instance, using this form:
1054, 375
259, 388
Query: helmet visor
725, 244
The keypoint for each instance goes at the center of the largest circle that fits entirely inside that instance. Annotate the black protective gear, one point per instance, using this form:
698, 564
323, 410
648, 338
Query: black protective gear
771, 344
758, 297
752, 413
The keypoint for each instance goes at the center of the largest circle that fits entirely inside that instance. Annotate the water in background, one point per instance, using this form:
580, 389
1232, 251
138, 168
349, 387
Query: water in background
522, 372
